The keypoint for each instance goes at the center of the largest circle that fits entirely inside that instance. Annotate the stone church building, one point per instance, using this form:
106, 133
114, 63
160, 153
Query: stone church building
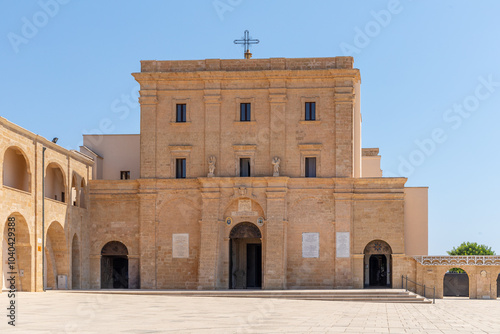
246, 174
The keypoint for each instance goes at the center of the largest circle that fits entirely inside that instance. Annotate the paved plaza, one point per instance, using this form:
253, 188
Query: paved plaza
69, 312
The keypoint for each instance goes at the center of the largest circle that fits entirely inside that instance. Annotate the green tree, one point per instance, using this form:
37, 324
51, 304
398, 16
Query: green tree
469, 248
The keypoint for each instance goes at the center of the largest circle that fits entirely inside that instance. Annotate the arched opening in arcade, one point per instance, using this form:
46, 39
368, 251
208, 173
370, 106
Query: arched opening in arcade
114, 266
74, 190
378, 265
54, 183
456, 283
16, 170
21, 259
56, 258
245, 263
75, 263
83, 190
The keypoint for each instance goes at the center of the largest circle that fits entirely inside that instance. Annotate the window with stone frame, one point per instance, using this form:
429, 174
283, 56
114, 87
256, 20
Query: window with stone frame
180, 113
180, 168
245, 167
310, 111
310, 167
245, 112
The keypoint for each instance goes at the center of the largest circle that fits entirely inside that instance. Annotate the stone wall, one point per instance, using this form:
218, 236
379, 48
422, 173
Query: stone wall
288, 207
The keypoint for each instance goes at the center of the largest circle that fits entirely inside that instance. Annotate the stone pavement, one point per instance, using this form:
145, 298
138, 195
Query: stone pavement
66, 312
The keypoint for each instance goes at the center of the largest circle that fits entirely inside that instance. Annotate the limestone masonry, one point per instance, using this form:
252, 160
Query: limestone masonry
246, 174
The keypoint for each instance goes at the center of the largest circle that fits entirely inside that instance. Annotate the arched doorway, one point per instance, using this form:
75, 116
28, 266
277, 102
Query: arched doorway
16, 170
22, 257
75, 263
378, 264
114, 266
456, 283
245, 264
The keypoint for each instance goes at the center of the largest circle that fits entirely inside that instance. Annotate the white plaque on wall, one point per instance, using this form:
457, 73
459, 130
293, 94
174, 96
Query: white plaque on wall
343, 244
310, 245
180, 245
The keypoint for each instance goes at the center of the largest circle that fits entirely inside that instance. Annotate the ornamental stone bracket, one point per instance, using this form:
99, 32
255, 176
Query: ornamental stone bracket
472, 260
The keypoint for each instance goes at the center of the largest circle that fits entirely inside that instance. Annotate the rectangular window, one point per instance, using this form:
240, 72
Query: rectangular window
245, 112
125, 175
245, 167
310, 167
63, 199
181, 113
310, 111
180, 168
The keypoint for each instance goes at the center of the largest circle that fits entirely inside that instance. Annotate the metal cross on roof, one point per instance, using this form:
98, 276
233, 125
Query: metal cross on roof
246, 41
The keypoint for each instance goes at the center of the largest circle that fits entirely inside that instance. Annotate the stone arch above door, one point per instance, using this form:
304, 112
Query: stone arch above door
245, 230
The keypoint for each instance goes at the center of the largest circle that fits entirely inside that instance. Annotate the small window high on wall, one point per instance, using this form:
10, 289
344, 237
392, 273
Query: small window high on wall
310, 111
180, 168
245, 167
180, 113
245, 112
125, 175
310, 167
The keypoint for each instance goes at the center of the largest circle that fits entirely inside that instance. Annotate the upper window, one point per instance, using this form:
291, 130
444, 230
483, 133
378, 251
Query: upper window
310, 111
181, 113
245, 112
180, 168
310, 167
245, 167
125, 175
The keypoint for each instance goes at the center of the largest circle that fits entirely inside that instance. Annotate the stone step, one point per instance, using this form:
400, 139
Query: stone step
365, 295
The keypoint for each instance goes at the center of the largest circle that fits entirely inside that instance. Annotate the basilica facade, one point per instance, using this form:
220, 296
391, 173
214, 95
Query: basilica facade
250, 174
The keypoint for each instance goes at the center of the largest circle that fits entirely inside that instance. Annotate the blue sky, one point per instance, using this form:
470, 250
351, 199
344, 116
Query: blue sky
430, 79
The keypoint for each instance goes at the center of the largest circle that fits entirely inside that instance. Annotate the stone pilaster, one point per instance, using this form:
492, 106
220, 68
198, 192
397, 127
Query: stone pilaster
344, 131
275, 236
149, 102
358, 270
209, 237
147, 247
95, 269
133, 272
212, 100
277, 136
343, 223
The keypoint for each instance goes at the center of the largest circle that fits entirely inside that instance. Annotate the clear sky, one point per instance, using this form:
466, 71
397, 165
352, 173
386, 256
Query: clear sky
430, 79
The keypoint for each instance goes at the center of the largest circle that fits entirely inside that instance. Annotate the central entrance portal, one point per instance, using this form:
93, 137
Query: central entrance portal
245, 249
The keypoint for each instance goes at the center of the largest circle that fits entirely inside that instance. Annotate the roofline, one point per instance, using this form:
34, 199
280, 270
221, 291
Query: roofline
45, 142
